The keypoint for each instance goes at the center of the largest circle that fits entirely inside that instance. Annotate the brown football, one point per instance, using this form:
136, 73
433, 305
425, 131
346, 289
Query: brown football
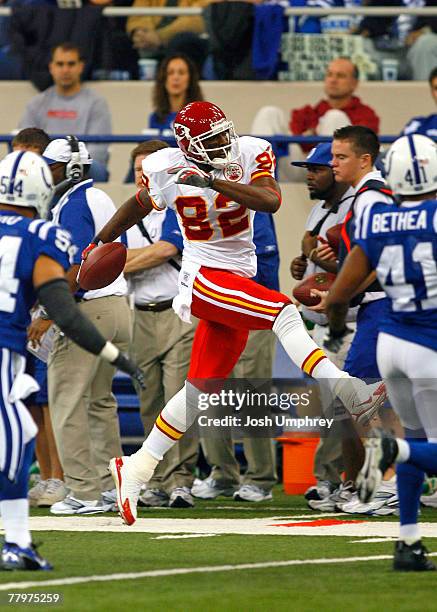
102, 266
321, 281
333, 237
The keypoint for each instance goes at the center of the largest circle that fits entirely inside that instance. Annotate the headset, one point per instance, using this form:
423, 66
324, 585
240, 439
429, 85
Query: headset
74, 168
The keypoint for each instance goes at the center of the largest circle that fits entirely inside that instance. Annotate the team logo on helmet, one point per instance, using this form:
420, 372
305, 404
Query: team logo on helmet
233, 172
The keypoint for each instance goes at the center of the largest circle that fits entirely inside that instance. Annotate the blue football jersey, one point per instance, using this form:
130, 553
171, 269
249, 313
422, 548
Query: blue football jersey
401, 244
22, 241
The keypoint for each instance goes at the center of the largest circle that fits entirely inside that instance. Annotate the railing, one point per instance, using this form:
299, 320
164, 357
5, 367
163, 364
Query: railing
132, 138
279, 142
362, 11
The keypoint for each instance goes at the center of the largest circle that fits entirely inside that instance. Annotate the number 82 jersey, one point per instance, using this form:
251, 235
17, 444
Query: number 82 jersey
401, 245
218, 233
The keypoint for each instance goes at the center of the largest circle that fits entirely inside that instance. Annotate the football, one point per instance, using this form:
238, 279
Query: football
333, 237
321, 281
102, 266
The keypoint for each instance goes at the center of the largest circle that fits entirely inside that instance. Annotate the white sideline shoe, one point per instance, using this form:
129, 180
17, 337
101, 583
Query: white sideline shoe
36, 492
153, 498
181, 498
128, 489
252, 493
72, 505
55, 491
336, 500
210, 489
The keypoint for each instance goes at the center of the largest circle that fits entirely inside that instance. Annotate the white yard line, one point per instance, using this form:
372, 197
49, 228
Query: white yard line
208, 569
184, 537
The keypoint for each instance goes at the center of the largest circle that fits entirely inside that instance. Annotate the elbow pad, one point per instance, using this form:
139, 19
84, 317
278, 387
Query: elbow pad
56, 298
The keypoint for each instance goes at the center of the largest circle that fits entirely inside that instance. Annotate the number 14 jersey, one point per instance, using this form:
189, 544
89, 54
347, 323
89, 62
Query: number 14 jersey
218, 233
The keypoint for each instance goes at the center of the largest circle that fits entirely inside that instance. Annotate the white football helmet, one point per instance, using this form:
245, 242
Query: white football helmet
411, 165
26, 180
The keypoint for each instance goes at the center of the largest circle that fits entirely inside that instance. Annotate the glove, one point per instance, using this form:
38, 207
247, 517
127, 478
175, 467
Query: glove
192, 176
123, 363
333, 341
87, 250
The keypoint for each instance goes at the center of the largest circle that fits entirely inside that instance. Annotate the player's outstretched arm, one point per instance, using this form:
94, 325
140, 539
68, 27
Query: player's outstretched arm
129, 213
54, 294
351, 277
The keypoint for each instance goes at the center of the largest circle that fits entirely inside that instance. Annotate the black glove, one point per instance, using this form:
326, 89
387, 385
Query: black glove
333, 341
192, 176
124, 364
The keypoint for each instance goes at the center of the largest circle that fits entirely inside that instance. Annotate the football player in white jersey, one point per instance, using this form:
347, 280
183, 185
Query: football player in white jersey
400, 244
215, 181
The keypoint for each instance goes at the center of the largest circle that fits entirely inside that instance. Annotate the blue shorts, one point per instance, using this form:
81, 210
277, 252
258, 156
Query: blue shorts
38, 369
361, 358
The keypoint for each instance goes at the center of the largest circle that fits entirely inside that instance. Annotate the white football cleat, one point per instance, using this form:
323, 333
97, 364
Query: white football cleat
128, 489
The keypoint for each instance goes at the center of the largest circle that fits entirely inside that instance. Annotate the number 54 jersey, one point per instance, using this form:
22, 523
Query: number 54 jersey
401, 244
218, 233
22, 241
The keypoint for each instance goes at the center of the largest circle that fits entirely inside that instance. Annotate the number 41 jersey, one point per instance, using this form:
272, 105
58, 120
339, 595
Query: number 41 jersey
401, 244
22, 241
218, 233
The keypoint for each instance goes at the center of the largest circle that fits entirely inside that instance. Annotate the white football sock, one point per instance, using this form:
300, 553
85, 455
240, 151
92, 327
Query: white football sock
302, 349
176, 417
15, 517
403, 451
409, 533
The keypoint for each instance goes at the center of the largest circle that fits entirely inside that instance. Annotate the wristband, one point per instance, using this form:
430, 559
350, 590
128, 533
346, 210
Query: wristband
109, 352
311, 255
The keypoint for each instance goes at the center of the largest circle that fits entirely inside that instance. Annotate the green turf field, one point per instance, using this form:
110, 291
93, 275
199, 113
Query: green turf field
197, 568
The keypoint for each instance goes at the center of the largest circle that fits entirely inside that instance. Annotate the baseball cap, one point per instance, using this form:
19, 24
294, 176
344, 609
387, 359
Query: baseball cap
319, 156
60, 151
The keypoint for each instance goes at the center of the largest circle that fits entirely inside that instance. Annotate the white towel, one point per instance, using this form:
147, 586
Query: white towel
182, 302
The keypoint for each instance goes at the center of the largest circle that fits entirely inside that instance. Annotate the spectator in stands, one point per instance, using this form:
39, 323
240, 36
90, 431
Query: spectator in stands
422, 44
161, 341
425, 125
255, 363
176, 84
153, 36
70, 108
35, 29
412, 40
82, 407
340, 108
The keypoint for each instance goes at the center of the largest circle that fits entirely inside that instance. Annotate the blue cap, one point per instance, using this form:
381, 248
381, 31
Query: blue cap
319, 156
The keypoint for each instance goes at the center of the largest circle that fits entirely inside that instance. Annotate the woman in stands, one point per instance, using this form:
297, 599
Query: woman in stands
176, 84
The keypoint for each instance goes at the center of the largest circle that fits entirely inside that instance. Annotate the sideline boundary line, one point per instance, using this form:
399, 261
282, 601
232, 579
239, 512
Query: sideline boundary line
188, 570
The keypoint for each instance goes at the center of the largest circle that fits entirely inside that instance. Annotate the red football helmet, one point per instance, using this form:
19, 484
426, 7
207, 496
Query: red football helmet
197, 122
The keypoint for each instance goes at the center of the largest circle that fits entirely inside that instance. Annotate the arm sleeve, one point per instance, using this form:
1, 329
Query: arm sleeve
171, 232
56, 297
